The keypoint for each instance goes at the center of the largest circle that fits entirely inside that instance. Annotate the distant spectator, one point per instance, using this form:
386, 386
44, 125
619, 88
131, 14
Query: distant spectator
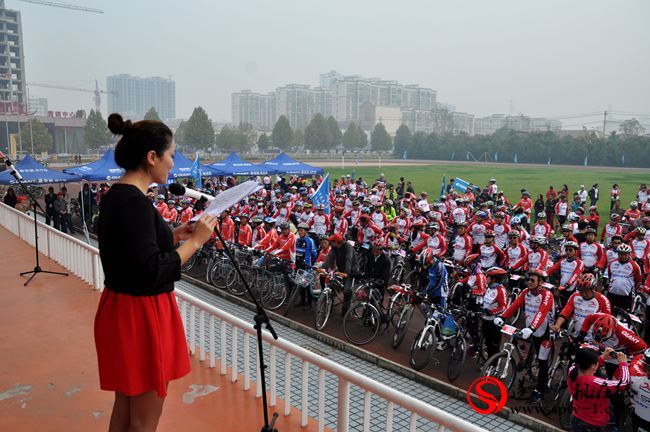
551, 193
594, 194
10, 198
614, 195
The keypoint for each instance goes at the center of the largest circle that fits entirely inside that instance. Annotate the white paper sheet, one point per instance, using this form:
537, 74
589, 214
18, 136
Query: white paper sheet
230, 197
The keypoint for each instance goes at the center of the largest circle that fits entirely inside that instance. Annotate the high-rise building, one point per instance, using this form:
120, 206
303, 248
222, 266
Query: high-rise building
13, 97
134, 96
38, 106
299, 103
462, 122
254, 108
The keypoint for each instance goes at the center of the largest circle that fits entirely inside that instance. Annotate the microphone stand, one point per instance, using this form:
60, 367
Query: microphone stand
261, 318
37, 268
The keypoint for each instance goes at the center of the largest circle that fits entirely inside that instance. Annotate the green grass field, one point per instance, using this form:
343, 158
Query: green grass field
510, 179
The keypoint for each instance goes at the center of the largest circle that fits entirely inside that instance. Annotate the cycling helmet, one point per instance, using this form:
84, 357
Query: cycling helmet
187, 202
571, 244
170, 201
567, 227
539, 273
516, 220
538, 239
624, 248
307, 205
269, 220
646, 357
513, 233
433, 225
481, 214
365, 210
364, 218
284, 200
640, 230
257, 219
284, 225
301, 225
161, 197
541, 215
615, 216
634, 204
499, 214
591, 230
471, 259
603, 328
586, 281
496, 272
489, 233
427, 257
460, 224
573, 217
320, 207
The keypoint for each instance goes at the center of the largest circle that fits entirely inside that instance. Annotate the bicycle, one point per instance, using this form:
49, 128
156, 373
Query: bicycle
411, 300
458, 344
363, 319
557, 375
331, 293
219, 268
301, 279
426, 339
234, 283
513, 358
514, 289
274, 292
399, 266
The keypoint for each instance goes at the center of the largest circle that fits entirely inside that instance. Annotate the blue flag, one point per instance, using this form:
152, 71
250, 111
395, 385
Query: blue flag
515, 159
322, 194
442, 187
549, 161
453, 155
460, 184
622, 159
404, 155
196, 173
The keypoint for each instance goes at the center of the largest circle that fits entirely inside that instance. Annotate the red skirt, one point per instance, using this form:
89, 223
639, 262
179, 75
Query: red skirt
140, 342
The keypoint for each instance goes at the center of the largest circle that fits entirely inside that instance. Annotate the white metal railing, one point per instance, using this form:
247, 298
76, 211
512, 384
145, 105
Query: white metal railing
195, 312
83, 260
78, 257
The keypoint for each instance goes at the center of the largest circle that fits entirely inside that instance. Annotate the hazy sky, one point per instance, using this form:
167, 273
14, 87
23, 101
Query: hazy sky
550, 57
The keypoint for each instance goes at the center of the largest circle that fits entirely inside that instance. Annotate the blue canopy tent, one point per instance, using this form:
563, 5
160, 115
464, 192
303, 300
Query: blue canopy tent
233, 165
284, 164
35, 173
105, 169
183, 169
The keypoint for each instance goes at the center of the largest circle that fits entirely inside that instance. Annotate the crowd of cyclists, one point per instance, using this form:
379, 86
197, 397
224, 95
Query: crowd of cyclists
569, 275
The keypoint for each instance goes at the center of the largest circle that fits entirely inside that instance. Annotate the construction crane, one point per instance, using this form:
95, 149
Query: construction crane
96, 91
64, 6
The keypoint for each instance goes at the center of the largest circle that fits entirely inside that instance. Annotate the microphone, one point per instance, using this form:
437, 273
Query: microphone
13, 170
180, 190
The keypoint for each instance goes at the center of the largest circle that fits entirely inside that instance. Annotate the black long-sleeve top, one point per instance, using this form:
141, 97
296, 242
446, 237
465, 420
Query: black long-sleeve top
135, 245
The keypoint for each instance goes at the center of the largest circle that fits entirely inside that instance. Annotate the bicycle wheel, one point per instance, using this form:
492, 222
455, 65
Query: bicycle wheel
397, 274
422, 348
274, 292
234, 283
189, 263
361, 323
556, 382
565, 409
499, 367
457, 358
402, 325
323, 309
395, 307
218, 274
481, 350
293, 294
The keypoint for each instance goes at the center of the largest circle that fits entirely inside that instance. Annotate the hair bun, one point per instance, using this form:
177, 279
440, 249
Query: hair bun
117, 125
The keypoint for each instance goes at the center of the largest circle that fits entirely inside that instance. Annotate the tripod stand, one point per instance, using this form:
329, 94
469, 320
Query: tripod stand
260, 318
37, 268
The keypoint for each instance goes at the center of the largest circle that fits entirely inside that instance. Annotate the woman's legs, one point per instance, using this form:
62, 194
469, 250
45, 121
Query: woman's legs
145, 412
120, 417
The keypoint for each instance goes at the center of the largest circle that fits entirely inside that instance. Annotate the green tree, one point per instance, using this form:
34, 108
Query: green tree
632, 127
379, 139
317, 136
402, 141
96, 133
363, 138
179, 136
226, 139
351, 138
263, 142
40, 135
198, 131
245, 137
152, 114
298, 140
282, 134
335, 133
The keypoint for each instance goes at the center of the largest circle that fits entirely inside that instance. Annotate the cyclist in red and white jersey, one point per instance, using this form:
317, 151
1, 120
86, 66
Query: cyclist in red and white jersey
570, 268
537, 258
478, 227
542, 228
612, 228
624, 278
605, 329
591, 252
435, 241
501, 230
640, 248
320, 223
581, 304
462, 243
537, 303
402, 222
640, 391
567, 236
495, 301
339, 223
491, 255
515, 251
611, 251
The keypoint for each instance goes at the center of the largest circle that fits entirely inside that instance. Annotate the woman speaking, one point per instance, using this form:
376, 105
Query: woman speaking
139, 334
